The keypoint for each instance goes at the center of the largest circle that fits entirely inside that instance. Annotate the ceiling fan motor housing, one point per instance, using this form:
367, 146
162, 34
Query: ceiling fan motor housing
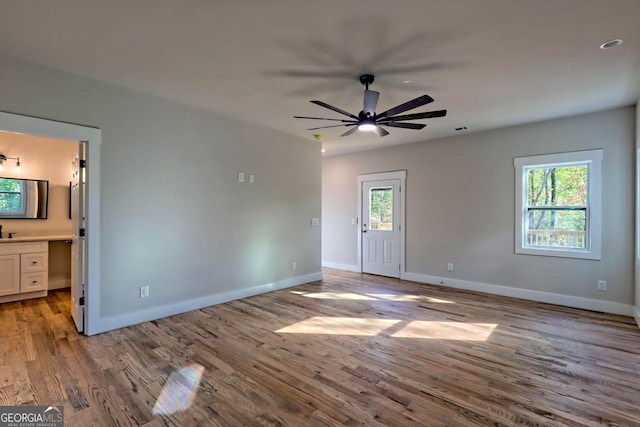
366, 79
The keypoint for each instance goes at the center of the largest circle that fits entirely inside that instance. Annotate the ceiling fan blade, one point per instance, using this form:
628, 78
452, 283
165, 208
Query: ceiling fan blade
405, 125
414, 103
370, 102
333, 126
314, 74
380, 131
336, 109
321, 118
350, 131
416, 116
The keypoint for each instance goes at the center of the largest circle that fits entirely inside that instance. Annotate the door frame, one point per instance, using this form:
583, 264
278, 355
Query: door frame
16, 123
382, 176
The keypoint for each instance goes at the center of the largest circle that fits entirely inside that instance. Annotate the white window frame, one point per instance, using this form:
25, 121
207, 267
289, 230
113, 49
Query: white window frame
591, 158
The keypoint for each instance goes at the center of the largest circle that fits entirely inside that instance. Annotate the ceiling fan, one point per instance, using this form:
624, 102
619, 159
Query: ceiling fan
368, 120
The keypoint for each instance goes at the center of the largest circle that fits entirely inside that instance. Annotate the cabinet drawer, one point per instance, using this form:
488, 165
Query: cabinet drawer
34, 262
22, 248
31, 282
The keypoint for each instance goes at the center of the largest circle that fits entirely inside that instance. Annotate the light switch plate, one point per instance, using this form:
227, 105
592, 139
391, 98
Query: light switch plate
315, 221
240, 177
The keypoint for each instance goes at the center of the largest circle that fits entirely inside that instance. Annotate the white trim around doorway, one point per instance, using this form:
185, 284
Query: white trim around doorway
381, 176
15, 123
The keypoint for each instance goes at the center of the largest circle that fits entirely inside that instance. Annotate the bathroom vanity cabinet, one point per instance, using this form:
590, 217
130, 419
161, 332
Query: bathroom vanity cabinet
23, 270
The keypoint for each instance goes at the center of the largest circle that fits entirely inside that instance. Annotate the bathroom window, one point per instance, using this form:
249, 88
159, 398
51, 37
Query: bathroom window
10, 196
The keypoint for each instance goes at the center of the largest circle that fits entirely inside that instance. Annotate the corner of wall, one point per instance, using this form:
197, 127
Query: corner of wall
346, 267
637, 191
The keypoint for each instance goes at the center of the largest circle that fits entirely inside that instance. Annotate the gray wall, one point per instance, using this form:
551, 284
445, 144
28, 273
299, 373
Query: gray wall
173, 214
460, 206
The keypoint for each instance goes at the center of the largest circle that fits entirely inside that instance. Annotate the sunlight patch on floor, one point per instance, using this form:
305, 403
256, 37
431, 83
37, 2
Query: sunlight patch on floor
409, 298
371, 297
418, 329
446, 330
339, 326
179, 391
337, 295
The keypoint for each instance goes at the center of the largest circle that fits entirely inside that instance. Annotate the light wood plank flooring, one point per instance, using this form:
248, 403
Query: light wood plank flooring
354, 350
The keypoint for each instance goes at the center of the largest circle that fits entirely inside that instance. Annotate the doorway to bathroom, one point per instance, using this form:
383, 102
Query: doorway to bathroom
82, 204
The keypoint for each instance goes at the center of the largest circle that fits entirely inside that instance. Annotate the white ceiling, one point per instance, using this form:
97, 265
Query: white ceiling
490, 63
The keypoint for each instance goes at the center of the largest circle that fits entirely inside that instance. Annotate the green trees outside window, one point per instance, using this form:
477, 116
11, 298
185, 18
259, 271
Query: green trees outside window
557, 206
381, 209
10, 195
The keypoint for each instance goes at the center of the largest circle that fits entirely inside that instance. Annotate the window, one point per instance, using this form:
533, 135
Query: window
10, 196
381, 209
558, 200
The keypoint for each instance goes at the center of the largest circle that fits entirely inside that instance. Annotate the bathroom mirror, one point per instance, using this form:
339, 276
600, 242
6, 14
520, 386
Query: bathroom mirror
23, 198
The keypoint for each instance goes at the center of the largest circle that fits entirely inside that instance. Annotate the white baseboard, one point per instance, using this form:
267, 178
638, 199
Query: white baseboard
346, 267
20, 297
116, 322
548, 297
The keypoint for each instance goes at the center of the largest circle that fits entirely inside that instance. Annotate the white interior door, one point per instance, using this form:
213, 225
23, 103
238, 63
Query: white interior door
78, 256
381, 222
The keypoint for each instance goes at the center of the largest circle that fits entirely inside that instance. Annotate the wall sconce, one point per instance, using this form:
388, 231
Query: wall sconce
4, 158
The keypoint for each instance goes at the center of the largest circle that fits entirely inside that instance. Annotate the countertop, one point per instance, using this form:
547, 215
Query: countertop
34, 238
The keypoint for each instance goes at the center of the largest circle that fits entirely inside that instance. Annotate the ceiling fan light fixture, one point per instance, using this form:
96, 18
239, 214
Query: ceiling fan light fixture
611, 44
366, 125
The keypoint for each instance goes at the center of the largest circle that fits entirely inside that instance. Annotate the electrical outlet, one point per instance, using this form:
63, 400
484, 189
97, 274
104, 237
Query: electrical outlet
144, 291
450, 266
252, 178
602, 285
294, 266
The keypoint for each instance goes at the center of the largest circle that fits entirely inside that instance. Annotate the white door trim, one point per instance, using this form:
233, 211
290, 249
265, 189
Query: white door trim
15, 123
381, 176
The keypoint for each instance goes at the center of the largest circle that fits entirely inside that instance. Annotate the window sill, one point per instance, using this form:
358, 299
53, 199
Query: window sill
560, 253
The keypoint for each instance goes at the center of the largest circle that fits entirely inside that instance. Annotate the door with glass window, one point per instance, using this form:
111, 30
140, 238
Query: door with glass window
381, 227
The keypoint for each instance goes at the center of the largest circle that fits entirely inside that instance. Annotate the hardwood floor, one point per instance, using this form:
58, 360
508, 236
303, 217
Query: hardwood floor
354, 350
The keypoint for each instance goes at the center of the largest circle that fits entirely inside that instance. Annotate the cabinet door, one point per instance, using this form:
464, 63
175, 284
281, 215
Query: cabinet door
9, 274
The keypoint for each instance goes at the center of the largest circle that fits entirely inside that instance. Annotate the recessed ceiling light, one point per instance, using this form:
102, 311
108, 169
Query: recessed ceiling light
611, 43
406, 81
